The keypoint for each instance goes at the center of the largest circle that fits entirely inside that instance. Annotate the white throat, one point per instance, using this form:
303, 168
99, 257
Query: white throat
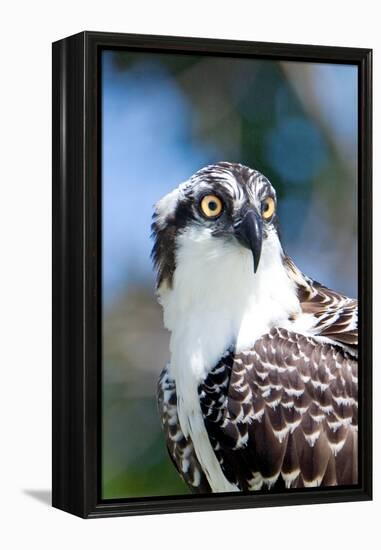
217, 302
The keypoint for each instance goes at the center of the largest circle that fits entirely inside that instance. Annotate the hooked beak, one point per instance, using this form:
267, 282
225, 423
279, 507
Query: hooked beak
249, 235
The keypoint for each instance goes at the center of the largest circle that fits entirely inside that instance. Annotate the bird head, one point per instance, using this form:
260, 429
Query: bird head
223, 204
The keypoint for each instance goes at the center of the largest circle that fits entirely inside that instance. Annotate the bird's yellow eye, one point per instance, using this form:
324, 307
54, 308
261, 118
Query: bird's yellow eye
211, 206
268, 208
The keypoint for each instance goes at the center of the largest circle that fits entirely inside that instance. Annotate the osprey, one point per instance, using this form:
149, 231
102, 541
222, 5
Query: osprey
261, 388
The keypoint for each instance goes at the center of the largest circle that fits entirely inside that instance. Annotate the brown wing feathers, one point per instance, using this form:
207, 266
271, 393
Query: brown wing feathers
289, 413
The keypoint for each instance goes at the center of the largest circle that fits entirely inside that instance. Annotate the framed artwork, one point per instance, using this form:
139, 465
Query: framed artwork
211, 274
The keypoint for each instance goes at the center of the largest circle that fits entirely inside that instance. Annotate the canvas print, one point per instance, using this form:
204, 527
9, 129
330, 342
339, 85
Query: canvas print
229, 274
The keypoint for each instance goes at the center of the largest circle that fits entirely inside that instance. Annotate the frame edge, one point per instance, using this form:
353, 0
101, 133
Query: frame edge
68, 380
75, 216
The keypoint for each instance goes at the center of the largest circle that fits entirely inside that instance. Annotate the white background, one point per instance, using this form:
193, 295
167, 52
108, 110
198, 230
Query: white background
27, 29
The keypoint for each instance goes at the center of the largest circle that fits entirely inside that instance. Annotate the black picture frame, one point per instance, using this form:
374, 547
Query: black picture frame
77, 274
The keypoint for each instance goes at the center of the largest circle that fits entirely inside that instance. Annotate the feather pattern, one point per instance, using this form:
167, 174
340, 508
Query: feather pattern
284, 412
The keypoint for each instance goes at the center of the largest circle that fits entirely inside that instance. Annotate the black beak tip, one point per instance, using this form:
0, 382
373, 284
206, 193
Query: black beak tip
256, 263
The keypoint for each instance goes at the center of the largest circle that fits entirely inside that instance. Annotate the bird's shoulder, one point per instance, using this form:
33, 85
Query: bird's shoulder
336, 315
